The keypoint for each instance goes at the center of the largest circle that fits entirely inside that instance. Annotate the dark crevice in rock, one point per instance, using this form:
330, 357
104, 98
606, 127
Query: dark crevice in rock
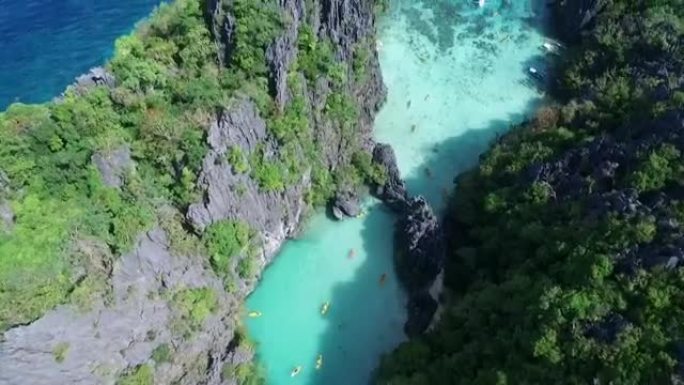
418, 241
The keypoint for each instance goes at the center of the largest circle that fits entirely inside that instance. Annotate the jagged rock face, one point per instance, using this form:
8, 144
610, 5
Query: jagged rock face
421, 308
232, 194
575, 16
346, 205
419, 258
108, 338
393, 192
282, 53
419, 243
113, 165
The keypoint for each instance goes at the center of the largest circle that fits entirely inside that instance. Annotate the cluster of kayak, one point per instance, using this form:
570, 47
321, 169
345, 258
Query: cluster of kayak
298, 369
324, 310
319, 360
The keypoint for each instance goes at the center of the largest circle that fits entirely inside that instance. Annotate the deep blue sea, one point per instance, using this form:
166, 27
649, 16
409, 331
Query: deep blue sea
45, 44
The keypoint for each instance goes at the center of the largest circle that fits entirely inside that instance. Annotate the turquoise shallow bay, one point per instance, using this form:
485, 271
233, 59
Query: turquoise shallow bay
364, 320
459, 96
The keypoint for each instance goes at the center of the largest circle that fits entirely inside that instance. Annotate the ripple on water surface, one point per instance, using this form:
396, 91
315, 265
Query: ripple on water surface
456, 76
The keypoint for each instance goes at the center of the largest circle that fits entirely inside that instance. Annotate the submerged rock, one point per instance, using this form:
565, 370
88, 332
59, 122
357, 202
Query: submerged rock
393, 192
345, 205
232, 194
419, 242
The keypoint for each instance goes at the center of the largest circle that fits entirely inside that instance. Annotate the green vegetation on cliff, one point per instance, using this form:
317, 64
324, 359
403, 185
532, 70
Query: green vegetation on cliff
566, 241
172, 80
142, 375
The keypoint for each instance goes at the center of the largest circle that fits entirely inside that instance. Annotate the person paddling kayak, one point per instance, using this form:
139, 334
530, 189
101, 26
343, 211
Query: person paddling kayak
325, 308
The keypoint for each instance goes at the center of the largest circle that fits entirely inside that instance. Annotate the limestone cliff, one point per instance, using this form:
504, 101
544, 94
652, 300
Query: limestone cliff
142, 319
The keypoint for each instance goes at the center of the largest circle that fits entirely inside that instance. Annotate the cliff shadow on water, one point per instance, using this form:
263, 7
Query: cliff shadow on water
456, 155
366, 313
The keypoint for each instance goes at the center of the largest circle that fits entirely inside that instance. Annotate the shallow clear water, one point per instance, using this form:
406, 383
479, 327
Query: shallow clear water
364, 319
458, 73
45, 44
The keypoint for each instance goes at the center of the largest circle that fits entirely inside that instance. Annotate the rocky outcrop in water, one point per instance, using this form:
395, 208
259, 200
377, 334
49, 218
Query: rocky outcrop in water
420, 246
393, 192
419, 242
419, 258
345, 205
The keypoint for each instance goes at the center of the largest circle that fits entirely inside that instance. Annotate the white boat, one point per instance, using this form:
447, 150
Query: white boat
553, 47
550, 47
535, 73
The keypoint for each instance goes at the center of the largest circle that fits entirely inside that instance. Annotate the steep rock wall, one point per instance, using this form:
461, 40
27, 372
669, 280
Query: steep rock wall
143, 313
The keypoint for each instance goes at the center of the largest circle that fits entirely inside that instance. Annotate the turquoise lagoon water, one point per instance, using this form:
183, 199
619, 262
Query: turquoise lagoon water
458, 74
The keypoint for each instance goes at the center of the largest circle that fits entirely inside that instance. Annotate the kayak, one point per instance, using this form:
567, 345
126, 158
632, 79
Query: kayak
319, 361
254, 314
325, 308
295, 371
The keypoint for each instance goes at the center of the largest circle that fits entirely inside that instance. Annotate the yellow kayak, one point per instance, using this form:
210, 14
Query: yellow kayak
295, 371
254, 314
319, 361
324, 308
